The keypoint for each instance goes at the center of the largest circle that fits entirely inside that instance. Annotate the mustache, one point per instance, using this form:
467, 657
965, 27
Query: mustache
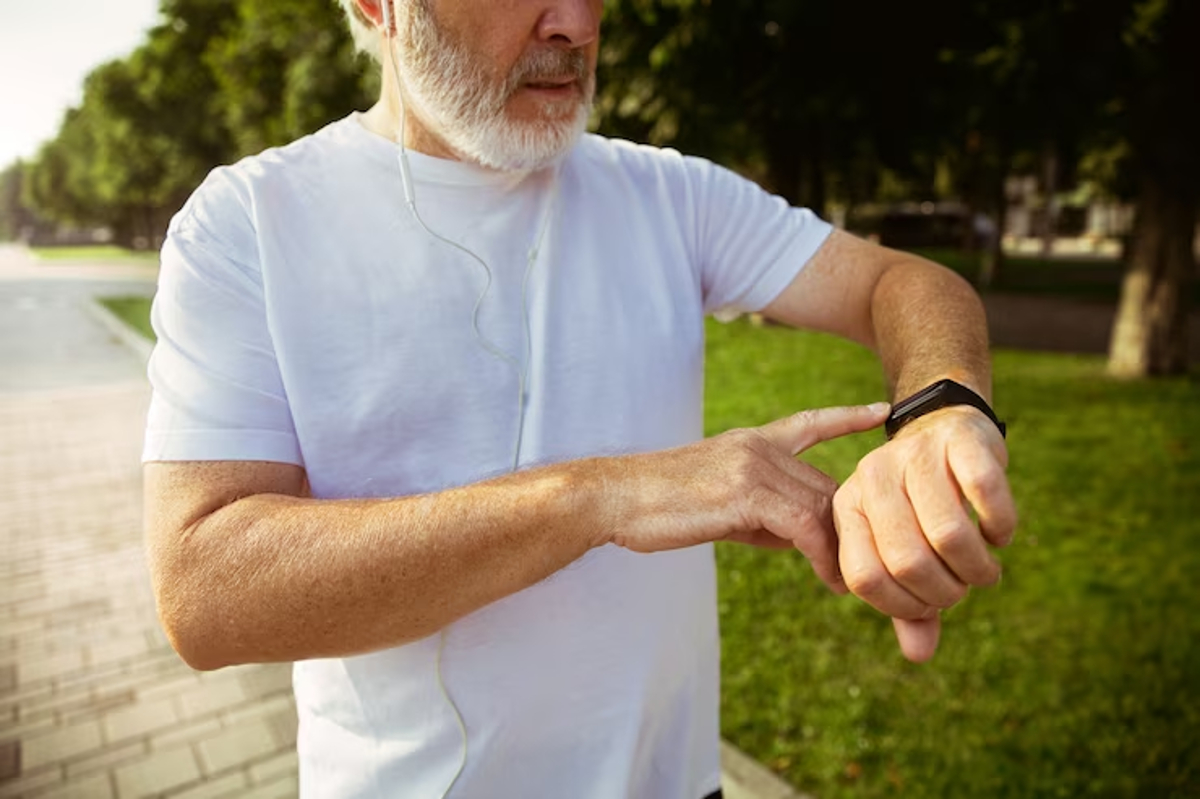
549, 64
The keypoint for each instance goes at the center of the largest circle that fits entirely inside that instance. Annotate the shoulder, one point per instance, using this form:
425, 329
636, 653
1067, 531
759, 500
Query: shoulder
237, 188
647, 165
637, 160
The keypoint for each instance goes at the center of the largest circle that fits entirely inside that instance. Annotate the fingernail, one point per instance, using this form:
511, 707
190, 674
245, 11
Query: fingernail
880, 407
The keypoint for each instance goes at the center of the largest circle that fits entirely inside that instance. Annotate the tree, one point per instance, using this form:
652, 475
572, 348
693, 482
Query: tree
18, 222
216, 80
1156, 109
284, 69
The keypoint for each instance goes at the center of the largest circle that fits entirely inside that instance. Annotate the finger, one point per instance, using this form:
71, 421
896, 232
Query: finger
944, 521
808, 486
800, 517
901, 545
981, 477
918, 639
800, 431
864, 572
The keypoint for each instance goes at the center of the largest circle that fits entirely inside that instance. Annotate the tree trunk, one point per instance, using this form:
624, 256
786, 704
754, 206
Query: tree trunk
1150, 333
991, 262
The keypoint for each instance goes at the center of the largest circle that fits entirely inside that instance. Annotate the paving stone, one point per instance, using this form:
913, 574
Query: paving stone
188, 732
157, 773
230, 785
283, 765
59, 744
284, 726
286, 788
27, 784
171, 685
262, 681
232, 747
126, 648
10, 760
46, 668
107, 758
97, 786
139, 719
8, 678
211, 697
97, 703
258, 710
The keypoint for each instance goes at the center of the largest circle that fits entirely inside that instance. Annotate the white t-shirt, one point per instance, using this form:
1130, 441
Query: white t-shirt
304, 318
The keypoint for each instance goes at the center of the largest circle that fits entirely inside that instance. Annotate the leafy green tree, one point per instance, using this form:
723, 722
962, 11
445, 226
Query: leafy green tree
218, 79
18, 222
285, 69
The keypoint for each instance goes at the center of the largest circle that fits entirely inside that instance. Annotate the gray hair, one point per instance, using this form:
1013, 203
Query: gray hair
366, 35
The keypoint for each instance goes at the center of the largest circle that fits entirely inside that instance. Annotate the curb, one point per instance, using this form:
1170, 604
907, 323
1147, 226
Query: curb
132, 339
743, 777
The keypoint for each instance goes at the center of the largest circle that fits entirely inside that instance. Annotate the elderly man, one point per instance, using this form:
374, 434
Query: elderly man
427, 421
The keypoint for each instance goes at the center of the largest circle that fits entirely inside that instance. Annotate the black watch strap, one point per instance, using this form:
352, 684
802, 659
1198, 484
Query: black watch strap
941, 394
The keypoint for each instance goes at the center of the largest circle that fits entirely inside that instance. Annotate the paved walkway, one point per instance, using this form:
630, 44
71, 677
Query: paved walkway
93, 702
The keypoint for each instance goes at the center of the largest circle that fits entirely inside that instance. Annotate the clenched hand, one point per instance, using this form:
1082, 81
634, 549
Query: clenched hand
908, 546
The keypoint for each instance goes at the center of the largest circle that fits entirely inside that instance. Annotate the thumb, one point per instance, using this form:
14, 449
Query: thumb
800, 431
918, 639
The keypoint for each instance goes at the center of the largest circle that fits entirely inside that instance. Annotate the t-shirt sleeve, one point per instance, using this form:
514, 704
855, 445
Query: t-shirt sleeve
217, 389
749, 244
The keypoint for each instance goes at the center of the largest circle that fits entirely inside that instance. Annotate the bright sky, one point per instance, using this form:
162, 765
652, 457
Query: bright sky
47, 47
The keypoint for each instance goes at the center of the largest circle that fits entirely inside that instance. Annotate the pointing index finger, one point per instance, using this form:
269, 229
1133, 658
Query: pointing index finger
800, 431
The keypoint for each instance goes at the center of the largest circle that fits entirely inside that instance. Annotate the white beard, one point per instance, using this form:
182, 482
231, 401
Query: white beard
461, 101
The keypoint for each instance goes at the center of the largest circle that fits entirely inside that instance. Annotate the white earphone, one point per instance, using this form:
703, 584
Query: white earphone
522, 373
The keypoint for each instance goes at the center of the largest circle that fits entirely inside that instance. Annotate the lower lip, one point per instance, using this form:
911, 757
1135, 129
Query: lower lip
560, 92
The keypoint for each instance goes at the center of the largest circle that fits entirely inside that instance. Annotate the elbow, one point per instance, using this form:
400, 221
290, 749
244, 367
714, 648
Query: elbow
187, 614
190, 636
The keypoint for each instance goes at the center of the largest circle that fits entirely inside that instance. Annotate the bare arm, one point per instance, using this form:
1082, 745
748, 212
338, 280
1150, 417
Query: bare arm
907, 544
246, 569
926, 322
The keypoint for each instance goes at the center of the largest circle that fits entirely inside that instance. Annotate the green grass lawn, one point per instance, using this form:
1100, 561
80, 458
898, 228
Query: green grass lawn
1078, 676
104, 253
134, 311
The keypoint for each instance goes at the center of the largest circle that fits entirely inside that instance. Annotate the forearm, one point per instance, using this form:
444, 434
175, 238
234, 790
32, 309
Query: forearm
929, 324
279, 578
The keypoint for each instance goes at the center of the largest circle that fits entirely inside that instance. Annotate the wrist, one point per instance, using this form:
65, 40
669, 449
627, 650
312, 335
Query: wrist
942, 395
591, 491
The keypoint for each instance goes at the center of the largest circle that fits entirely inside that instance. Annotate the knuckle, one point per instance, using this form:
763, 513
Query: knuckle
983, 481
866, 583
953, 595
909, 567
803, 418
948, 537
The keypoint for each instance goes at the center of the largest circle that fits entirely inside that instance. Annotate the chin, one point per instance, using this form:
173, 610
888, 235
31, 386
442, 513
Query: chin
514, 146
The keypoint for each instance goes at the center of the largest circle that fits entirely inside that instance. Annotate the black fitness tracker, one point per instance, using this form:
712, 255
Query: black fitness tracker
941, 394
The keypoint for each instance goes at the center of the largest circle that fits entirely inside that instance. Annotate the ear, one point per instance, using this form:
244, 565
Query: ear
371, 11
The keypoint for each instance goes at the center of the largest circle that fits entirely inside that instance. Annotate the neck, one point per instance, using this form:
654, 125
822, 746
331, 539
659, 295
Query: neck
383, 119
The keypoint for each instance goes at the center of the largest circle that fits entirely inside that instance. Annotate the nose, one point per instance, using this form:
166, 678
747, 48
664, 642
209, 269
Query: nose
573, 23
